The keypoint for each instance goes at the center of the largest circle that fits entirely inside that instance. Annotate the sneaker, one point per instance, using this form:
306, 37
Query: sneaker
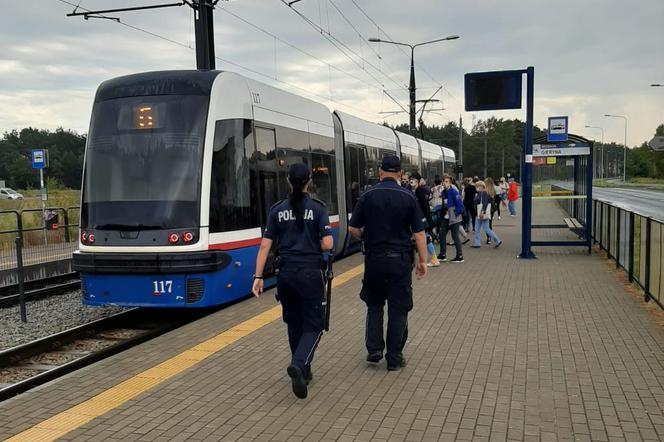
299, 382
375, 357
497, 245
488, 241
466, 241
442, 258
512, 216
435, 263
475, 247
499, 217
457, 260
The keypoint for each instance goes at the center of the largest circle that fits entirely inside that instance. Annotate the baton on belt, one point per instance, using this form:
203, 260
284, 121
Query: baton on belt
329, 276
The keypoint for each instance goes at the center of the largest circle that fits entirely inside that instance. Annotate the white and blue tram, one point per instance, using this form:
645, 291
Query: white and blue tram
181, 168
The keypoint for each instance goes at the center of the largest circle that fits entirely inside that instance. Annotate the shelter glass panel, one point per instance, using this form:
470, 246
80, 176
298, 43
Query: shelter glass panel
656, 259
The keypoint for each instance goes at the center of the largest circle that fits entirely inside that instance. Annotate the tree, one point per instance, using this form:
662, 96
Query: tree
65, 157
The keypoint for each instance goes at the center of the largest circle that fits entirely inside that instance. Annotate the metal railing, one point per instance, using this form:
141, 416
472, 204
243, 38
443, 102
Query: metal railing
636, 243
37, 237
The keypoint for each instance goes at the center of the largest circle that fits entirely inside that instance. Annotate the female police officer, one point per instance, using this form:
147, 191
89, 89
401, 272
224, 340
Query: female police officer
300, 226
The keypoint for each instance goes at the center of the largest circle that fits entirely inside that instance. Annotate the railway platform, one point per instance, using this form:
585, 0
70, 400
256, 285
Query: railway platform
557, 348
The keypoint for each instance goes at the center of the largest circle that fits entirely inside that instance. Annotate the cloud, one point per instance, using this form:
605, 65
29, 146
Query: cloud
591, 57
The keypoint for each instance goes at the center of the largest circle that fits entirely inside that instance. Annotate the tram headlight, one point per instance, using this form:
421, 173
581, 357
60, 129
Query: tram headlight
187, 237
173, 238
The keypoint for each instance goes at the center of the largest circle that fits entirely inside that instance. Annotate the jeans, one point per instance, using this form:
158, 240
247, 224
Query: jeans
484, 224
511, 206
454, 228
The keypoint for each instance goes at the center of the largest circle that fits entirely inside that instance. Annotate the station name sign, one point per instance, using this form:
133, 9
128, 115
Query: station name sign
560, 150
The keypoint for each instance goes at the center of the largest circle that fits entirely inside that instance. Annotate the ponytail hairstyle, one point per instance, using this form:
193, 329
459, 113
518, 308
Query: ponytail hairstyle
296, 199
298, 177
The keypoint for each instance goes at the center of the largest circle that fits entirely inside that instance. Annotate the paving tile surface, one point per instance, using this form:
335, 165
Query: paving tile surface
500, 349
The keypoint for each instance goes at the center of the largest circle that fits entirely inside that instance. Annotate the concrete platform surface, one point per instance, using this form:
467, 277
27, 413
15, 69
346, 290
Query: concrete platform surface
500, 349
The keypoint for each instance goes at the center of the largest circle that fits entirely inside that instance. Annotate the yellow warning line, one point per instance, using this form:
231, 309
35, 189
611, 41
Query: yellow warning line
68, 420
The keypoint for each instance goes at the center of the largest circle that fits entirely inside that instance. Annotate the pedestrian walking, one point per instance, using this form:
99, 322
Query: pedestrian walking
452, 217
491, 191
423, 196
483, 215
469, 193
300, 226
512, 196
387, 218
503, 191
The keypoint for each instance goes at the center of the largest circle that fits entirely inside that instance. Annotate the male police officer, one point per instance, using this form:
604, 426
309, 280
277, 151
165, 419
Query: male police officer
300, 225
390, 217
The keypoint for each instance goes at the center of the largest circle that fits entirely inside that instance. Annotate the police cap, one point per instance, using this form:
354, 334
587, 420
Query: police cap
298, 173
391, 163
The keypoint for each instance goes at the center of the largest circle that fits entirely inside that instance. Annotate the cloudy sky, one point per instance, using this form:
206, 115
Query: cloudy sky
591, 57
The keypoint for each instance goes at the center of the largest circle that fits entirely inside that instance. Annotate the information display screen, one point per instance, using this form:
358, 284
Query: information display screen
493, 90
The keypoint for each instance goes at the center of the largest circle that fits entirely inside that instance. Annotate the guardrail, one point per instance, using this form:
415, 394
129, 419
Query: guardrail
635, 242
40, 236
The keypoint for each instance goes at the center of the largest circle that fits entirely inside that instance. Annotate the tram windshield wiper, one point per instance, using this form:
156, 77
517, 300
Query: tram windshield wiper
127, 227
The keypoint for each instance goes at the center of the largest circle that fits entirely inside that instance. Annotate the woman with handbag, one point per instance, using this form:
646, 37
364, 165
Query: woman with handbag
483, 202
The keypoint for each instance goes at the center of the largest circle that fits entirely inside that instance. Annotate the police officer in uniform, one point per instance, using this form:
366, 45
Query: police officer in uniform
386, 218
301, 228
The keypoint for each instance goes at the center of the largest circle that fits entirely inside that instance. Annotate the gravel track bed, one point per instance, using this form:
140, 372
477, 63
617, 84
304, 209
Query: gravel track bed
47, 316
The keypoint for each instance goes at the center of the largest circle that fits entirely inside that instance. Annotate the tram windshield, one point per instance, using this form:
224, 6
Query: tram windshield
143, 163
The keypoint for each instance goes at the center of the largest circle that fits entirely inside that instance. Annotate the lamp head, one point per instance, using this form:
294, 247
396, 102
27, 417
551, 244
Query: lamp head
452, 37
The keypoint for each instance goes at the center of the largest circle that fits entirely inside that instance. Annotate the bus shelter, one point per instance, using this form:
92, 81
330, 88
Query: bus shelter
562, 192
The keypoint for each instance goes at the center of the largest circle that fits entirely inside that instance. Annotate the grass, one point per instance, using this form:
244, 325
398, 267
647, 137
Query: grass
56, 199
633, 183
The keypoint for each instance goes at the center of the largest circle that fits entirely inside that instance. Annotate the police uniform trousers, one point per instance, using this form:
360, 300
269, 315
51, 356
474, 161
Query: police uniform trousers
387, 277
301, 292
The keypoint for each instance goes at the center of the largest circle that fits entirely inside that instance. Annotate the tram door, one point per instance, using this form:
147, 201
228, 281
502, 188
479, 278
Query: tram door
268, 182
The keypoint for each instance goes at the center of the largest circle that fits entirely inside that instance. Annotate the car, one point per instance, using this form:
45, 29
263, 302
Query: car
9, 194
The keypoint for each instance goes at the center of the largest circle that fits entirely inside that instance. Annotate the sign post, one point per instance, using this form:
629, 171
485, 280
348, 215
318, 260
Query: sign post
40, 161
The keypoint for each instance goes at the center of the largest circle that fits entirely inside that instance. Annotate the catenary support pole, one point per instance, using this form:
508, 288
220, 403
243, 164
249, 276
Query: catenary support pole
204, 30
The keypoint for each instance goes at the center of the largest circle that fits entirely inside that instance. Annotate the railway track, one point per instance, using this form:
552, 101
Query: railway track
25, 366
41, 288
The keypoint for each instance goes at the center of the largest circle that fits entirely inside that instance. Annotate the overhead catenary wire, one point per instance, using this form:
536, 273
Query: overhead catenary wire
302, 51
230, 62
344, 49
381, 29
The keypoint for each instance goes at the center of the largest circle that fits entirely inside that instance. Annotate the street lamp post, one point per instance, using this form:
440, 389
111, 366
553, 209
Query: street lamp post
601, 151
411, 86
625, 151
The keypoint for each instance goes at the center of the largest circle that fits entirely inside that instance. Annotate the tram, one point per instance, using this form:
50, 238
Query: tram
182, 167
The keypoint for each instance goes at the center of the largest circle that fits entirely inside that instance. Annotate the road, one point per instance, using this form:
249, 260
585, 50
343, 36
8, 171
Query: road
645, 202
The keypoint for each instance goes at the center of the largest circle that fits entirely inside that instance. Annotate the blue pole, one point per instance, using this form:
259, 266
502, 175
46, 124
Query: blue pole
527, 168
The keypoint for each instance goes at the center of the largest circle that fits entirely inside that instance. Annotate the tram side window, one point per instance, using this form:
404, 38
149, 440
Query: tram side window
324, 181
374, 158
231, 186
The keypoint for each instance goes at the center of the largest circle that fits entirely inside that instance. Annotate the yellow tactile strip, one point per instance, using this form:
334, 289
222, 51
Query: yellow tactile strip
67, 421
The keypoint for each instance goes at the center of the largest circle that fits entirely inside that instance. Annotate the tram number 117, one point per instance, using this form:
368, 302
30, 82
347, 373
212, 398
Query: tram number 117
161, 287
